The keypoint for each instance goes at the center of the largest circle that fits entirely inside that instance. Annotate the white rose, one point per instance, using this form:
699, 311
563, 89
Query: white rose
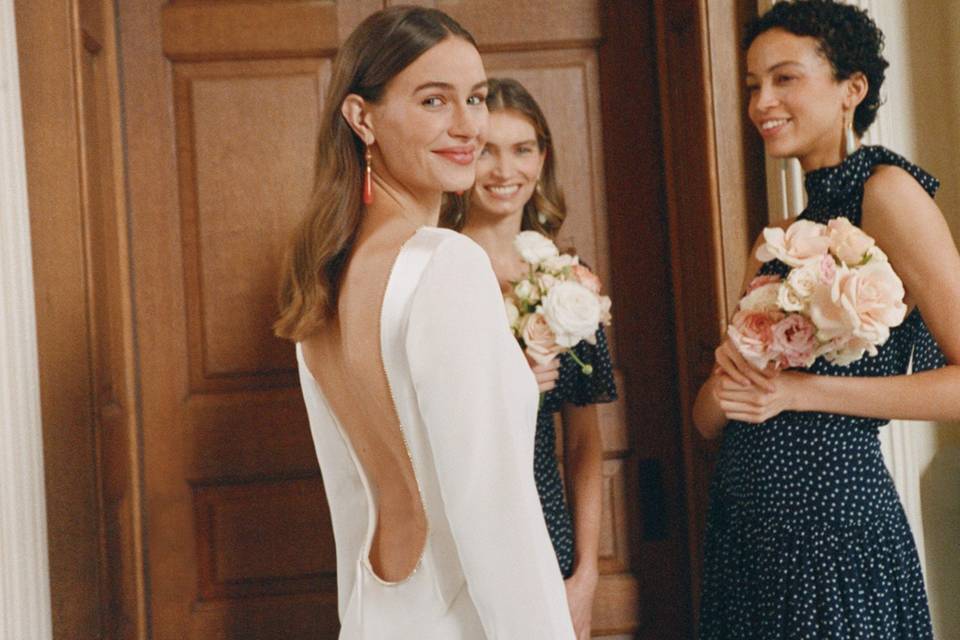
804, 280
763, 298
547, 281
535, 247
573, 312
527, 292
787, 298
557, 264
513, 314
845, 352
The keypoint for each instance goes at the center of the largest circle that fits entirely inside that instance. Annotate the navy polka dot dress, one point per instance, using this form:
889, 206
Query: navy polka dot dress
575, 387
806, 538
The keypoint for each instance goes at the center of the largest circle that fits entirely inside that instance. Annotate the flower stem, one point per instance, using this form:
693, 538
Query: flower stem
587, 369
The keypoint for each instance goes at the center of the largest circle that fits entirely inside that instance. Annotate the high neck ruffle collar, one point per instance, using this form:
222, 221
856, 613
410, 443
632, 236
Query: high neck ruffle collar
841, 180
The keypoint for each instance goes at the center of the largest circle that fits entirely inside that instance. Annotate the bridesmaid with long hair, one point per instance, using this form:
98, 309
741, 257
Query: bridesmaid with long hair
426, 466
806, 537
517, 189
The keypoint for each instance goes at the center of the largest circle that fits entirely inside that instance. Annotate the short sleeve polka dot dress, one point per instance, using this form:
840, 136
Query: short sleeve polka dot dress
580, 389
806, 538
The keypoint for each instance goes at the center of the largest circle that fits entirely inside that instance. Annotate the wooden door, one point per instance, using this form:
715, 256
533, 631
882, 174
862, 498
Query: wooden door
221, 100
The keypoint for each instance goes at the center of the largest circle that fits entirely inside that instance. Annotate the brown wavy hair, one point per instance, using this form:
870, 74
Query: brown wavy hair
382, 46
507, 94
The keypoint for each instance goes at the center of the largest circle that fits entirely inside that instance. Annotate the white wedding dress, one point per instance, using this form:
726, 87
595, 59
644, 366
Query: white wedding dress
466, 401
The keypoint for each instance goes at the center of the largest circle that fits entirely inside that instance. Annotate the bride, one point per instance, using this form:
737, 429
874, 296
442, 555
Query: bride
421, 405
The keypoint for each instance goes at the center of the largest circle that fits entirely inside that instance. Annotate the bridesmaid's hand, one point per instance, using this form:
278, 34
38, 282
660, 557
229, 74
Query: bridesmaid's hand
581, 587
546, 374
735, 366
750, 403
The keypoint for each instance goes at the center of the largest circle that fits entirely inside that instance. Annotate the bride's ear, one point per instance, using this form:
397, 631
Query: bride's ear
356, 111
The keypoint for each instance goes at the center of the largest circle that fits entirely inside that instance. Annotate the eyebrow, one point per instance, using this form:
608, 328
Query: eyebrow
515, 144
785, 63
446, 86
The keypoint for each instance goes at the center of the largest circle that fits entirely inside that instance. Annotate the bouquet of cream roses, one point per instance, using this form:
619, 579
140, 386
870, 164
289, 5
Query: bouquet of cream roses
839, 300
556, 304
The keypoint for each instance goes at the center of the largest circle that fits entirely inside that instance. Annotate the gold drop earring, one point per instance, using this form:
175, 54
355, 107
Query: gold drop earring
849, 140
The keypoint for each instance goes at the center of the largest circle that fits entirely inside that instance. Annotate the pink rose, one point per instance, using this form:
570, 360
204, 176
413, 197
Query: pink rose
539, 339
795, 338
802, 242
760, 281
848, 242
864, 303
605, 317
752, 334
827, 269
586, 277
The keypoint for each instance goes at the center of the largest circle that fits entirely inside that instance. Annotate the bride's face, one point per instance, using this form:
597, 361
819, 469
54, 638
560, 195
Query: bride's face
432, 121
796, 103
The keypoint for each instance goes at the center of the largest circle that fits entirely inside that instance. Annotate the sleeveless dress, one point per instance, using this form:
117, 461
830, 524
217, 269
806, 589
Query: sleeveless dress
466, 402
579, 389
806, 537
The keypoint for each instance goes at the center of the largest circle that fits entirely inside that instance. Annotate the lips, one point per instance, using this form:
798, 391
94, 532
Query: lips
501, 191
773, 126
459, 155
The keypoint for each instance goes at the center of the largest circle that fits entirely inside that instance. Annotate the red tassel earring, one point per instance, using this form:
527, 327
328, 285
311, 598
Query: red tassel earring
368, 178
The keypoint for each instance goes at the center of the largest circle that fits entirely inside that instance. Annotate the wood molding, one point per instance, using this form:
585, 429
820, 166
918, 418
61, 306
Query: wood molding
643, 309
75, 173
25, 588
716, 204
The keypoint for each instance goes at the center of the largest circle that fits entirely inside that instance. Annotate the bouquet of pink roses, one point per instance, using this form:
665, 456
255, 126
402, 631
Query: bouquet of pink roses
556, 304
839, 300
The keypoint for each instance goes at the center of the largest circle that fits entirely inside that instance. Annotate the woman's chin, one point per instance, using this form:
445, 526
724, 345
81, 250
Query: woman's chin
457, 186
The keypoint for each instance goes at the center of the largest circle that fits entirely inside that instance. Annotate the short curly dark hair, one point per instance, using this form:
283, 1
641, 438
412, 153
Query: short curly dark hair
848, 38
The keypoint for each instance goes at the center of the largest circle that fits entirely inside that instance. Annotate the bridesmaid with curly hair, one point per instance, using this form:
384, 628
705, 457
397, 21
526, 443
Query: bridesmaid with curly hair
806, 537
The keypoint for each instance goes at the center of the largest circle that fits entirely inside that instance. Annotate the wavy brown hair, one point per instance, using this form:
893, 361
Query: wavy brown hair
546, 210
382, 46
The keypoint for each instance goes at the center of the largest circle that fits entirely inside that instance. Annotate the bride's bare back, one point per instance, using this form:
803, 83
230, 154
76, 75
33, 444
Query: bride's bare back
346, 362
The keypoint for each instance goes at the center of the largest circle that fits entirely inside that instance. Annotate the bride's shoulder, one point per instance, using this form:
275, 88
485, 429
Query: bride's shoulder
452, 249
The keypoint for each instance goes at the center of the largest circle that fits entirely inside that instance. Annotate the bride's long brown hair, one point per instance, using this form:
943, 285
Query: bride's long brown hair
382, 46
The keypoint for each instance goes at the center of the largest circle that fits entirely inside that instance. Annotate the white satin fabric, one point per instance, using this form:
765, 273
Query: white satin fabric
467, 403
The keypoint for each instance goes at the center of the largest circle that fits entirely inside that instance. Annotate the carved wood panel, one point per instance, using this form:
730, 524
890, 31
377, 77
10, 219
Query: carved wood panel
245, 136
221, 104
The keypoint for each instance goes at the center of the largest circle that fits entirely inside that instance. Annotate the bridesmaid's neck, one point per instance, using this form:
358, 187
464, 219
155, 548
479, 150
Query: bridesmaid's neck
495, 234
821, 159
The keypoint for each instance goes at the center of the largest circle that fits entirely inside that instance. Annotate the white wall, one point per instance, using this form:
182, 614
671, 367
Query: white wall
24, 581
923, 43
921, 120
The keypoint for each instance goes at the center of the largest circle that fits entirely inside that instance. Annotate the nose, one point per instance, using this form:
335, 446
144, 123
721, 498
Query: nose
764, 97
501, 166
468, 122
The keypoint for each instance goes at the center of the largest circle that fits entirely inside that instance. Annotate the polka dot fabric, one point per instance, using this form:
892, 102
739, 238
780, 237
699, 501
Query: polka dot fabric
574, 387
806, 538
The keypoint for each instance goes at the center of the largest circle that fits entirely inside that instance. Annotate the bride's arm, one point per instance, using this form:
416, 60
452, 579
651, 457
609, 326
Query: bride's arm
909, 227
477, 397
